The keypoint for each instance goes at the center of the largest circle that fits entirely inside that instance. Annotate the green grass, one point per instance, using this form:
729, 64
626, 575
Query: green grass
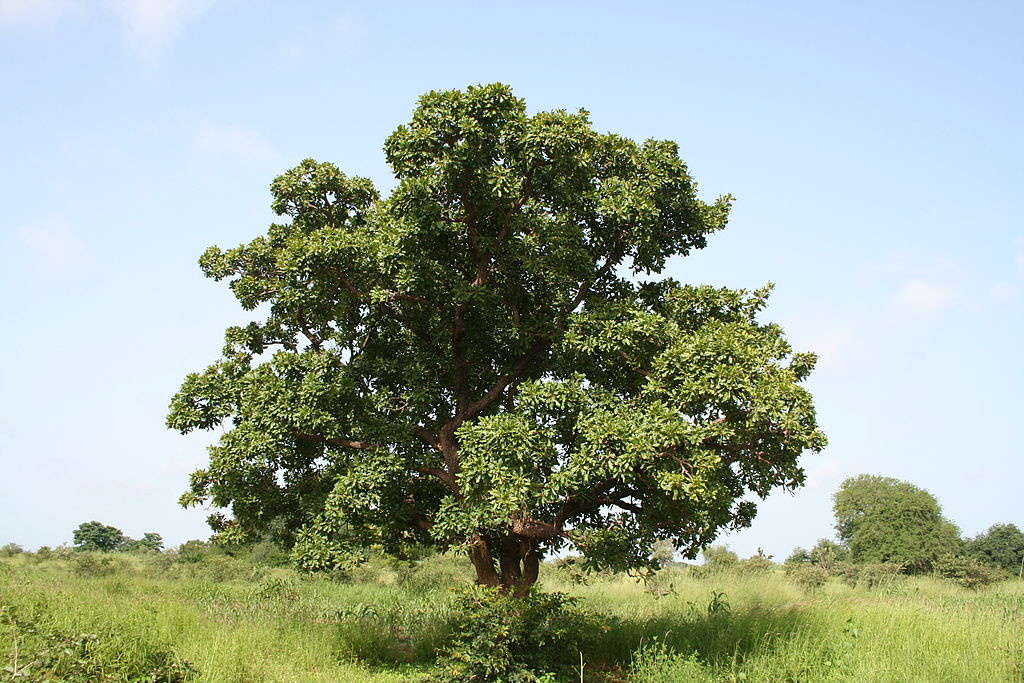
223, 622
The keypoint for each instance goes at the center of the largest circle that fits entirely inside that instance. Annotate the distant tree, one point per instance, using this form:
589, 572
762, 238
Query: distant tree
758, 563
1001, 546
488, 360
799, 556
98, 536
663, 552
885, 520
11, 549
151, 542
826, 554
719, 557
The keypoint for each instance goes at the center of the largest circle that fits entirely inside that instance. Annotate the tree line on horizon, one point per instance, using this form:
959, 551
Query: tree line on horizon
883, 521
889, 525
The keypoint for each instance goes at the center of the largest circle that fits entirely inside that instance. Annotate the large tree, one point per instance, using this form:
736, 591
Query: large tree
483, 359
98, 536
882, 519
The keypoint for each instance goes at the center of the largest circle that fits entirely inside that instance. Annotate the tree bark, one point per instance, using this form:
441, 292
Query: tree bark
517, 566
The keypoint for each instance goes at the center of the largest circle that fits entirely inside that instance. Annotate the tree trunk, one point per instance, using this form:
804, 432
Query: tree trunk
518, 564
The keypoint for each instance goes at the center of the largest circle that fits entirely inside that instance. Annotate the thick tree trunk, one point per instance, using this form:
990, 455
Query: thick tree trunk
517, 567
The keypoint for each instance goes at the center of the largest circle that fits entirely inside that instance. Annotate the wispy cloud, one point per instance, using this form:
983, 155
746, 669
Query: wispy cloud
56, 248
151, 25
925, 296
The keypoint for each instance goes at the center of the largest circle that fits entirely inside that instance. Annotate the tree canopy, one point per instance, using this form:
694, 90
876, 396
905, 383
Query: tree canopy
485, 358
882, 519
1001, 546
98, 536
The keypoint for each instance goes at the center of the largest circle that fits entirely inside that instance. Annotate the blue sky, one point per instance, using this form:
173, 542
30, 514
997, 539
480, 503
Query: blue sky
874, 149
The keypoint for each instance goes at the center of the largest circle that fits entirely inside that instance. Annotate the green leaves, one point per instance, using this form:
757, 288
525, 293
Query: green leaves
464, 362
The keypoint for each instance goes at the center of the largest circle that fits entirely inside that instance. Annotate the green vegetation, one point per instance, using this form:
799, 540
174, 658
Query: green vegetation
488, 359
97, 536
162, 617
1001, 546
881, 519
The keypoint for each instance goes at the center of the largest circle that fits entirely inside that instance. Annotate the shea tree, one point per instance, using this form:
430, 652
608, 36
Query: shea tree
98, 536
881, 519
486, 359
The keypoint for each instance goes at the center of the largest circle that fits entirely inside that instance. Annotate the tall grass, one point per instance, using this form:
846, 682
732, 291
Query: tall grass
237, 623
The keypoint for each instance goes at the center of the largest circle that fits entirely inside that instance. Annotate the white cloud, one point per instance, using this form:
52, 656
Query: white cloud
55, 247
149, 25
924, 296
153, 24
20, 12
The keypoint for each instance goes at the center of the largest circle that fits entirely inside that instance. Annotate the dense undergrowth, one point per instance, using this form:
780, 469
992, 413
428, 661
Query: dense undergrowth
113, 617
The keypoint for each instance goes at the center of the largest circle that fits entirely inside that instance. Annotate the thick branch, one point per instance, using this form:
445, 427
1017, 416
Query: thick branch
334, 441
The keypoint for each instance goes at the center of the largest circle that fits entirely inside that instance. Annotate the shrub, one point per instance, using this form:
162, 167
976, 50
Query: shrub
827, 554
502, 638
657, 663
10, 550
50, 654
719, 557
799, 556
756, 564
197, 551
877, 574
847, 571
808, 577
92, 564
966, 571
280, 588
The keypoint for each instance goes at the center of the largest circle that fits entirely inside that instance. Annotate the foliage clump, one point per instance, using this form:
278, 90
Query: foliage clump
808, 576
10, 550
98, 537
46, 653
1001, 546
967, 571
500, 638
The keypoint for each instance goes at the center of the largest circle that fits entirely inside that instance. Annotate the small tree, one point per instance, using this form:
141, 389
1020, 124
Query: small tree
799, 557
1001, 546
10, 550
98, 536
485, 358
884, 520
827, 554
150, 542
720, 558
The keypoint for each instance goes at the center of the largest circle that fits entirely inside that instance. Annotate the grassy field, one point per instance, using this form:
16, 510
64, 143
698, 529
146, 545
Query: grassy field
133, 618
